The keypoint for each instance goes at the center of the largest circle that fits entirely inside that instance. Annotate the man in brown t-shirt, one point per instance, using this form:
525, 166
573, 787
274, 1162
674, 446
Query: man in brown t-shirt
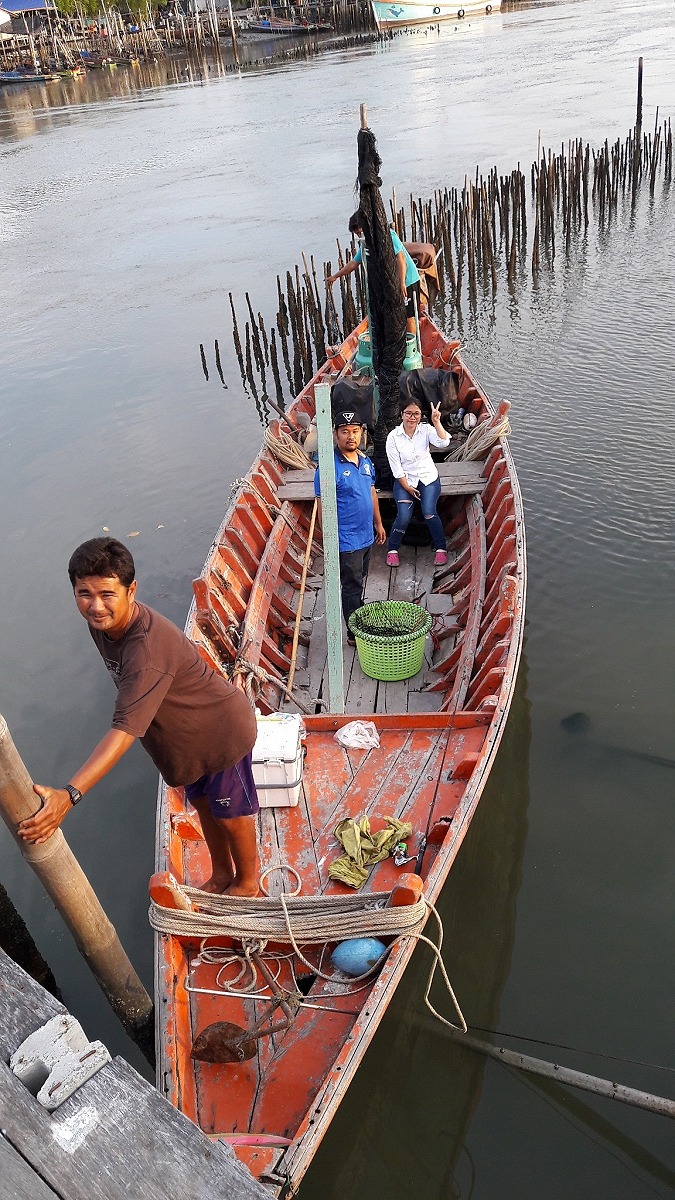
196, 726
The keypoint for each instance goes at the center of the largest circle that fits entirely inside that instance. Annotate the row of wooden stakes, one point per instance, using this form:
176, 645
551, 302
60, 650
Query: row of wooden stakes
479, 233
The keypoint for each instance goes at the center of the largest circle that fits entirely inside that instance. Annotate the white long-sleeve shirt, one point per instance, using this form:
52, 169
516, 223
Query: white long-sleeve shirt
410, 457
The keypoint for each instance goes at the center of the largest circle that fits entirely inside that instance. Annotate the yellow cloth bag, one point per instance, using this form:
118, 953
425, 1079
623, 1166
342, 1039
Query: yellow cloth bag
363, 849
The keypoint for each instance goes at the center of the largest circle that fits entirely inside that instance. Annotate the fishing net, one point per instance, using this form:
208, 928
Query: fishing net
385, 299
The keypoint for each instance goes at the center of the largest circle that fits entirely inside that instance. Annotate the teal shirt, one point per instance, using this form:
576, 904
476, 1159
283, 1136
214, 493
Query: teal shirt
412, 275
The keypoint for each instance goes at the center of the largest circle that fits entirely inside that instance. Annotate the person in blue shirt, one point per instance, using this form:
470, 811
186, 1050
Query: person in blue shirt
358, 510
410, 276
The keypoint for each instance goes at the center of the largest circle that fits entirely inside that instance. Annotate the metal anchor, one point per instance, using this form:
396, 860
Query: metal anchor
225, 1042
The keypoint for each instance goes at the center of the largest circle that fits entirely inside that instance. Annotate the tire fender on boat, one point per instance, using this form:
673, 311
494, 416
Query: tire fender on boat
437, 11
460, 12
488, 8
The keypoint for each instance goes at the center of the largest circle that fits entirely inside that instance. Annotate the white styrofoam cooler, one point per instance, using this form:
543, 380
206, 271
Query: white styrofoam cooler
277, 760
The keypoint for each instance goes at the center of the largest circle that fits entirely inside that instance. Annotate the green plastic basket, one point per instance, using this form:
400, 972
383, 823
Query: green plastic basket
390, 637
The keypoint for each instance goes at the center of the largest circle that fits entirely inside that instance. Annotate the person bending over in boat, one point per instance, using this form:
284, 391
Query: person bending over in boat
410, 276
416, 476
358, 510
198, 729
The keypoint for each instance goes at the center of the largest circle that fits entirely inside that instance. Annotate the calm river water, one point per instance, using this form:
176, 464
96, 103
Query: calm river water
130, 204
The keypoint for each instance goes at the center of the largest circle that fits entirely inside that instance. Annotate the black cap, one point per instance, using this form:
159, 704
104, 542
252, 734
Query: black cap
346, 418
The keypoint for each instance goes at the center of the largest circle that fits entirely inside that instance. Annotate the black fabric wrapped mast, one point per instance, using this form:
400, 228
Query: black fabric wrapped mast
385, 298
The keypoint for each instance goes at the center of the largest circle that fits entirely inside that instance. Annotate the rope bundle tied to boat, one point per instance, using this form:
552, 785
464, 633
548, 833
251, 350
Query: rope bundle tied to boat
483, 436
309, 920
286, 450
303, 920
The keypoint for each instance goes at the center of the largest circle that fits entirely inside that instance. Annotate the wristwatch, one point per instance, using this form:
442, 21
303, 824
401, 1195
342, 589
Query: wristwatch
73, 792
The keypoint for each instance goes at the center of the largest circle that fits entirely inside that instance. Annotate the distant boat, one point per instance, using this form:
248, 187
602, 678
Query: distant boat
420, 12
25, 77
282, 27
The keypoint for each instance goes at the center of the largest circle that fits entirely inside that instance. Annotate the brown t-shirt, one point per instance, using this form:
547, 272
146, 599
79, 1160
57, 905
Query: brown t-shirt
191, 720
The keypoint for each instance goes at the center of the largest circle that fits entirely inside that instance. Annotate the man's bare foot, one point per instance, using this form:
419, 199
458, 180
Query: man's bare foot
238, 889
216, 885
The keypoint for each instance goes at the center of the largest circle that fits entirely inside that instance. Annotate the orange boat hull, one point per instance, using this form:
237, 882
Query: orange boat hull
430, 769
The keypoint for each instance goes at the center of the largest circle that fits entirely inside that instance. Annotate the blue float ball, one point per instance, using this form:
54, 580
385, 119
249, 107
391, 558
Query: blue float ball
357, 955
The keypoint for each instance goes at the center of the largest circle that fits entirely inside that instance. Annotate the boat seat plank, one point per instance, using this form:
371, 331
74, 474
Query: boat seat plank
294, 847
457, 479
328, 776
384, 786
413, 805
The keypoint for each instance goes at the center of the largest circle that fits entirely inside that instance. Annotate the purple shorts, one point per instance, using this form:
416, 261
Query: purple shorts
229, 793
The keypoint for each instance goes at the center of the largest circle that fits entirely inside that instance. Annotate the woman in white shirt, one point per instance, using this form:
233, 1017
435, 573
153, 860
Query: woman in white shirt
416, 476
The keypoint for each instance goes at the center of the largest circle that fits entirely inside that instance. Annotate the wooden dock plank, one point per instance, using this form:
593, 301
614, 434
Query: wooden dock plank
24, 1005
18, 1178
115, 1137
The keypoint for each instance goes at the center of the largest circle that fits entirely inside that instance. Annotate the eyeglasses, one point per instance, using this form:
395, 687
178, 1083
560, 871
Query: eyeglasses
414, 415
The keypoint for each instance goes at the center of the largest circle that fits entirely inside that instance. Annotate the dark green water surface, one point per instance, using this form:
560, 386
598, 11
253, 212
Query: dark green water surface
129, 206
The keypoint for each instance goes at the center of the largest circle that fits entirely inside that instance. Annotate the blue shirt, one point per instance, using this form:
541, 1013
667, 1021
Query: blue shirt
412, 275
353, 485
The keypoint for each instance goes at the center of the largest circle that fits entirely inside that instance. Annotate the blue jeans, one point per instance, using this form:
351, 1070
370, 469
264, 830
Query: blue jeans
429, 493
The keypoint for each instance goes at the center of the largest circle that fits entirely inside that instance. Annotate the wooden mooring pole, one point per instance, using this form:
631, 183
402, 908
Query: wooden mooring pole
61, 875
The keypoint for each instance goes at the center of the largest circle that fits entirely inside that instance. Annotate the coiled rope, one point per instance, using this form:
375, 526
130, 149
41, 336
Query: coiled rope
254, 676
286, 450
310, 920
481, 438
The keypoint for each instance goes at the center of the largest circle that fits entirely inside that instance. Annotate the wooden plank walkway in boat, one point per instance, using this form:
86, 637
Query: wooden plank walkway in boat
412, 581
113, 1138
457, 479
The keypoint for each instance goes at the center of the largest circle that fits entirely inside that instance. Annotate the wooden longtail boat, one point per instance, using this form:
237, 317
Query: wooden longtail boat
439, 733
26, 77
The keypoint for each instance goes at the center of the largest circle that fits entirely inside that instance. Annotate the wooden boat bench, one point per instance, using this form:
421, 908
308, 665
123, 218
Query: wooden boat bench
457, 479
